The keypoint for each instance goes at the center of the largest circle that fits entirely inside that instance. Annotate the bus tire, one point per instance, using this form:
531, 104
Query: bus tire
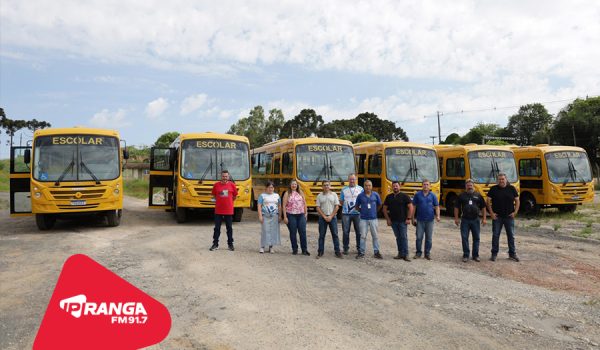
45, 221
450, 204
567, 208
180, 215
253, 203
113, 217
237, 214
528, 204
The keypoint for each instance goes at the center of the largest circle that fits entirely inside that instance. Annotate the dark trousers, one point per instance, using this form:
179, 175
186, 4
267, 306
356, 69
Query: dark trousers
228, 224
400, 231
472, 225
334, 234
509, 226
297, 225
347, 222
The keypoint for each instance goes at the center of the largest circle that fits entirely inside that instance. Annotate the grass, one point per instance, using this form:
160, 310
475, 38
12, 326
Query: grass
556, 227
585, 232
535, 224
4, 183
136, 188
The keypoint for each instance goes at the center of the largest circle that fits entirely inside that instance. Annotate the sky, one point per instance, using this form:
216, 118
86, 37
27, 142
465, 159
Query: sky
148, 67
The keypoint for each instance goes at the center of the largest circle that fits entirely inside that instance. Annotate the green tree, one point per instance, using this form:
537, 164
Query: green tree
530, 125
497, 143
273, 125
367, 123
359, 137
166, 139
12, 126
139, 153
253, 127
452, 139
476, 133
579, 124
305, 124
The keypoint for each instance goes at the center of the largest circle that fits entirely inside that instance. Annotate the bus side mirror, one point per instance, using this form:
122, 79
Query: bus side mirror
27, 156
125, 154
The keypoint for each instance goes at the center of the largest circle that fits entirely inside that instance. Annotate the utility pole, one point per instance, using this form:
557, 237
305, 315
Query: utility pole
433, 139
439, 128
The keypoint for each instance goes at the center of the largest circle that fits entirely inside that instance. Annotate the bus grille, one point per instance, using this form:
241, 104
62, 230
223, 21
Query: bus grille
77, 207
206, 190
92, 193
572, 191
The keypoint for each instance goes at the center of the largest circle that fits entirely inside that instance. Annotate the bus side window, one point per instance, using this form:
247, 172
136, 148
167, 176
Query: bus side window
276, 163
530, 167
360, 158
267, 163
455, 167
375, 164
287, 166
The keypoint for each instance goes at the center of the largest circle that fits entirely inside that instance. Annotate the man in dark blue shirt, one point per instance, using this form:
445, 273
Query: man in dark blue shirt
470, 202
368, 204
427, 207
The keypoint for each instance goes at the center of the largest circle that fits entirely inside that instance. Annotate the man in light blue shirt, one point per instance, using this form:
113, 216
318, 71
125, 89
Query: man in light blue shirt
426, 206
350, 216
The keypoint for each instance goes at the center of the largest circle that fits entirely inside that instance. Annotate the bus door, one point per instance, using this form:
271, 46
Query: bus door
374, 171
160, 189
20, 180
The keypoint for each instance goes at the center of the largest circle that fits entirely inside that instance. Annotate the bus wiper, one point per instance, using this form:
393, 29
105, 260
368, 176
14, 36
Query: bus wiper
332, 169
64, 173
416, 175
84, 167
572, 171
409, 172
323, 170
492, 173
209, 167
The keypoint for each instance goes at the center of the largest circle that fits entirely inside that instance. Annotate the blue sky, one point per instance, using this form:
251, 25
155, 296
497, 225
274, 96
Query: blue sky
148, 67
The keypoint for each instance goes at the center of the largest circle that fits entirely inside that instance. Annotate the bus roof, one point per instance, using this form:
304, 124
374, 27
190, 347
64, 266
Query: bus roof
75, 130
470, 147
303, 141
211, 135
389, 144
544, 148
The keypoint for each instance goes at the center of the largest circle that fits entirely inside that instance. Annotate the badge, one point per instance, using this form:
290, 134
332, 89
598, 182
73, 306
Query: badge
470, 202
369, 206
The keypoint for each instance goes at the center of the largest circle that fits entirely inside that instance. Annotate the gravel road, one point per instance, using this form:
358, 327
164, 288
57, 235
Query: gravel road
246, 300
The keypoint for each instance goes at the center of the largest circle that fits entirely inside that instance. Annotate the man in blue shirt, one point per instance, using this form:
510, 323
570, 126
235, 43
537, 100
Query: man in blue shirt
350, 216
427, 207
368, 204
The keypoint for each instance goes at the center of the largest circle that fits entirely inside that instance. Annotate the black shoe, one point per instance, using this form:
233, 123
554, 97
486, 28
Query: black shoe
231, 247
514, 258
360, 256
214, 247
428, 257
319, 254
465, 259
476, 258
306, 253
377, 255
295, 252
405, 258
345, 252
398, 257
339, 255
493, 258
417, 256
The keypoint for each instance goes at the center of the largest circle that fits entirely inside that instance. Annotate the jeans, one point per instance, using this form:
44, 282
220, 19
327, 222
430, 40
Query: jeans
467, 225
400, 230
424, 228
365, 225
334, 234
218, 220
347, 222
509, 226
297, 224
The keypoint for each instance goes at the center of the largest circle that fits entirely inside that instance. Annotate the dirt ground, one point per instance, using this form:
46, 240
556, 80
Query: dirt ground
247, 300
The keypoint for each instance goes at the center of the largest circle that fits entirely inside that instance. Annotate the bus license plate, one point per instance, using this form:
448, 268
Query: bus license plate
78, 202
575, 198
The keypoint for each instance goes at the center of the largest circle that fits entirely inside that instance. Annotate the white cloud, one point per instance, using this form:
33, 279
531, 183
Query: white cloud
156, 108
193, 103
110, 120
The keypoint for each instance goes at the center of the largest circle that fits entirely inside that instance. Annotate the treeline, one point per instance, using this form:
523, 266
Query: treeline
11, 126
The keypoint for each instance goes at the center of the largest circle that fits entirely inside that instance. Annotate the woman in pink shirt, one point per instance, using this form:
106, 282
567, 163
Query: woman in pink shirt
294, 216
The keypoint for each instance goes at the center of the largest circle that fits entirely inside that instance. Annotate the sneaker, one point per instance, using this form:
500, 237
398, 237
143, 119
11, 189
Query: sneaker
271, 250
231, 247
514, 258
493, 258
417, 256
339, 255
465, 259
261, 250
214, 247
360, 256
476, 258
428, 257
377, 255
306, 253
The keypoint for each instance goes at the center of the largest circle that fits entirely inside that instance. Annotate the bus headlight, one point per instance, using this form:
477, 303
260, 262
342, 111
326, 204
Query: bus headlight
37, 195
116, 191
246, 191
183, 188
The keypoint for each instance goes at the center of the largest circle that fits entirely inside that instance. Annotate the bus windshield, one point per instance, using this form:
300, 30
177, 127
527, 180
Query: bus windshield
565, 167
75, 158
320, 162
203, 159
411, 164
486, 165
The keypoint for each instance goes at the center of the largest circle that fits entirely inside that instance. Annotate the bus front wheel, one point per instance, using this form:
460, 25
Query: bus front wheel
113, 217
45, 221
253, 204
237, 214
181, 215
450, 204
528, 204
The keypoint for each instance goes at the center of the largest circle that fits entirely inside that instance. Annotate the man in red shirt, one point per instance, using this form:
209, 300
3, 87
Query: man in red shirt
224, 192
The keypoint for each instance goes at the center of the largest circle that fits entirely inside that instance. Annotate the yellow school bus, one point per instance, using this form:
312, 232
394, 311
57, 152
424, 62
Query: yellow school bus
182, 175
553, 177
309, 161
481, 163
68, 171
406, 162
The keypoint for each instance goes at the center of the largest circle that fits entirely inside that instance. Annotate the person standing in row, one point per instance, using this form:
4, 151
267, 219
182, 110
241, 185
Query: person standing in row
427, 208
398, 211
327, 207
503, 205
350, 216
224, 193
294, 215
368, 204
470, 203
269, 207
